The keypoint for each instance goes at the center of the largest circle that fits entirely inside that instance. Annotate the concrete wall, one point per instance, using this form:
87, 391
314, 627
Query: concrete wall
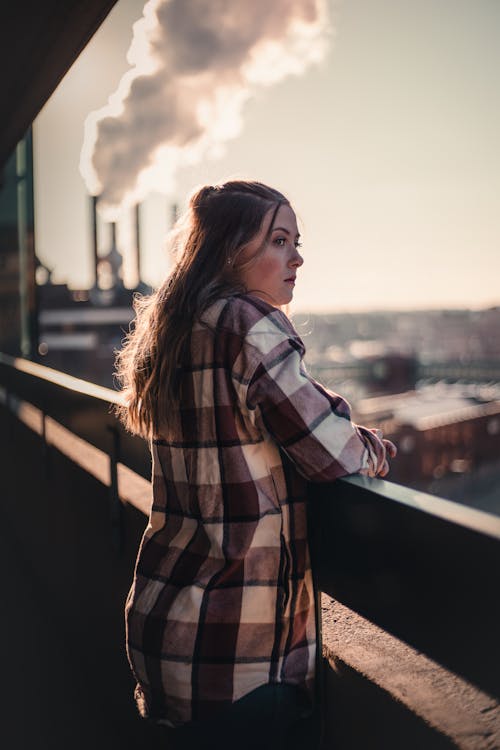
65, 584
64, 589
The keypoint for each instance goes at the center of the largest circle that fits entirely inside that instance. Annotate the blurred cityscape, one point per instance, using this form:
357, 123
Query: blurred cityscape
431, 381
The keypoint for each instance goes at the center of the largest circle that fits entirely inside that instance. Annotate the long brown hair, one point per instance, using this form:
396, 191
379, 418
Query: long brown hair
219, 222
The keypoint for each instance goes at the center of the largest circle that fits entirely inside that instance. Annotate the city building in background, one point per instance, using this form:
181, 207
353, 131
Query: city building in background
18, 319
80, 329
431, 381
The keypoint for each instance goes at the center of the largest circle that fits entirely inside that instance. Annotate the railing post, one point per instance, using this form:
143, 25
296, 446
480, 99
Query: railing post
45, 446
115, 506
10, 416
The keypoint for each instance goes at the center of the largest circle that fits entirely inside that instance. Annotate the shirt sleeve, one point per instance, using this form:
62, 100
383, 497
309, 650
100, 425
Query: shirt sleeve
310, 423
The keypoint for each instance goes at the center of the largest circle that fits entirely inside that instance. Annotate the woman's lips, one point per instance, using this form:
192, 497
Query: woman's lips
291, 280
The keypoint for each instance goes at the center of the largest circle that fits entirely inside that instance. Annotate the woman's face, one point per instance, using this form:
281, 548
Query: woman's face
272, 275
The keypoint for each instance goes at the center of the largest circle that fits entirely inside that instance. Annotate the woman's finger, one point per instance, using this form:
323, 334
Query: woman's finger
384, 470
390, 448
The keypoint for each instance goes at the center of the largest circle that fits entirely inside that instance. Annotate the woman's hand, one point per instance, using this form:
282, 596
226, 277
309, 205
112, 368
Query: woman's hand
391, 451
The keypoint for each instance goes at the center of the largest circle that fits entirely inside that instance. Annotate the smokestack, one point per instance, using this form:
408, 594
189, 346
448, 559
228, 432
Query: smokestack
115, 260
93, 206
114, 247
194, 65
138, 242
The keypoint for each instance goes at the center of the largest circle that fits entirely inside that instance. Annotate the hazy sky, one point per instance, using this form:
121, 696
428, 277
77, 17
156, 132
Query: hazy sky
389, 151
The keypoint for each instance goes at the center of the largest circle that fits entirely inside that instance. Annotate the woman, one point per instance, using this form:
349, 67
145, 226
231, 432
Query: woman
220, 617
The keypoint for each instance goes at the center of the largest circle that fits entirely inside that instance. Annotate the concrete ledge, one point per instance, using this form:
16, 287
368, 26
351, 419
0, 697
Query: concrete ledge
132, 488
381, 693
451, 706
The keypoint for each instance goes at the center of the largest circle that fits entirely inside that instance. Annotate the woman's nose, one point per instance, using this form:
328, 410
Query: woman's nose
296, 260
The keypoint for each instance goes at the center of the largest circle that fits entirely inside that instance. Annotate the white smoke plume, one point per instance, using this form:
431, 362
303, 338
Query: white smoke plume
194, 64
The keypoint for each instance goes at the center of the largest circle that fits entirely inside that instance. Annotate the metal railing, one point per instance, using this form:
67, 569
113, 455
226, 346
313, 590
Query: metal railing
425, 569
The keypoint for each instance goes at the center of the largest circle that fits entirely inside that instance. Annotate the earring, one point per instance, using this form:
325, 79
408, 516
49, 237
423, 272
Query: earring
229, 261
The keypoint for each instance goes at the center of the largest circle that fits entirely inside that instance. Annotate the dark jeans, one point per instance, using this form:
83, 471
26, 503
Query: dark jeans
269, 718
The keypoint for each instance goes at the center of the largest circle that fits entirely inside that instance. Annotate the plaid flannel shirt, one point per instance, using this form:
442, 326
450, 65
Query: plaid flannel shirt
222, 599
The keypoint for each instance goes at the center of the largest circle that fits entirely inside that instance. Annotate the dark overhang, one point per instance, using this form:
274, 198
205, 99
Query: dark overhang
39, 41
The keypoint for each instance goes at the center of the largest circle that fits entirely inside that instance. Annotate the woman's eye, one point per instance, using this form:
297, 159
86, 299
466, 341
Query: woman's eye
281, 242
